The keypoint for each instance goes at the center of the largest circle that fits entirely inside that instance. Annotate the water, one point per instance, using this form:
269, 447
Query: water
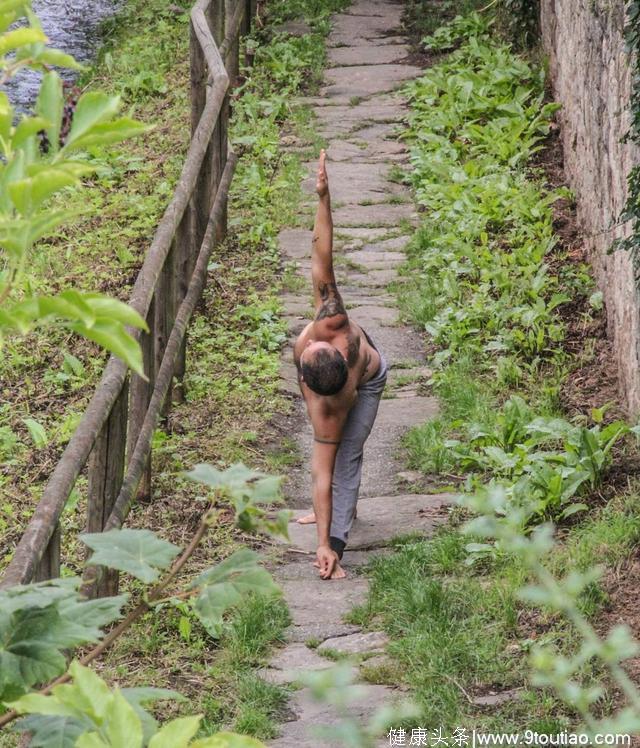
72, 26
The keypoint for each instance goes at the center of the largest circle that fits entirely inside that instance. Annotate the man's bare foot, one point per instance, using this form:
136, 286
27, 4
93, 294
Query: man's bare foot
337, 573
308, 519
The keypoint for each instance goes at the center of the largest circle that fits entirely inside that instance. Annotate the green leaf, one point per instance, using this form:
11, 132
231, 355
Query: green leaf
28, 653
85, 619
142, 695
52, 731
27, 127
92, 740
92, 108
56, 57
96, 696
107, 133
20, 38
37, 703
37, 621
574, 509
37, 432
177, 733
8, 5
139, 552
50, 105
123, 728
29, 194
149, 694
113, 337
6, 116
118, 311
225, 584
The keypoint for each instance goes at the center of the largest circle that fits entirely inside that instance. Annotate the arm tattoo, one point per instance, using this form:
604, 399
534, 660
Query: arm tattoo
353, 348
332, 304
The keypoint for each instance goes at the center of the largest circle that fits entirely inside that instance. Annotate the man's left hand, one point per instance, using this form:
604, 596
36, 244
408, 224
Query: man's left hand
328, 563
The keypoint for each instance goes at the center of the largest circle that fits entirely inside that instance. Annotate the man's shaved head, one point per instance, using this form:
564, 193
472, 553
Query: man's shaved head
324, 370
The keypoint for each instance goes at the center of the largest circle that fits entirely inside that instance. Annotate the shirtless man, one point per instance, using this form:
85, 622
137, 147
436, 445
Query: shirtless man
341, 376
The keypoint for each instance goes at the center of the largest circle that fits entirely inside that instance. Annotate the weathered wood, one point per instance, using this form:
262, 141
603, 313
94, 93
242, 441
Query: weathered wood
185, 260
246, 18
106, 472
234, 14
139, 396
163, 376
165, 311
49, 566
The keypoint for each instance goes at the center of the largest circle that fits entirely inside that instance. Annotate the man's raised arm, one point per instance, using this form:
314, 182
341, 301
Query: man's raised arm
327, 298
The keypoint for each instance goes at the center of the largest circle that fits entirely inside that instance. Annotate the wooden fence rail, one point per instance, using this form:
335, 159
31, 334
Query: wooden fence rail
114, 435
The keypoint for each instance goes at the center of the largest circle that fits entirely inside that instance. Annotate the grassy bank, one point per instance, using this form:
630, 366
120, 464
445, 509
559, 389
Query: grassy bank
234, 342
497, 278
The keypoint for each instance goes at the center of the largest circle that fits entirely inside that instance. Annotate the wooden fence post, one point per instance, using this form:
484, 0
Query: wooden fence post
248, 18
106, 472
139, 397
49, 566
232, 63
185, 262
165, 312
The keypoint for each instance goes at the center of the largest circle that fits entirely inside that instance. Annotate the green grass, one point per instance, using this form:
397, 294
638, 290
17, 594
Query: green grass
460, 631
458, 628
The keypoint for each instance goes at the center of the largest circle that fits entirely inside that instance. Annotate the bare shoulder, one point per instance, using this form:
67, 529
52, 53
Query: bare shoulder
301, 341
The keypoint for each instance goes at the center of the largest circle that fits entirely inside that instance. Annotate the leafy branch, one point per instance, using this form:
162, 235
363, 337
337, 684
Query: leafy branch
39, 621
40, 162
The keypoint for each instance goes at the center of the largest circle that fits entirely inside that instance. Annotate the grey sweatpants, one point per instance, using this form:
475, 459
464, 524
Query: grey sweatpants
348, 466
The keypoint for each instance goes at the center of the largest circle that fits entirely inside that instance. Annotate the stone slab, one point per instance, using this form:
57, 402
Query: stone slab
307, 715
376, 260
361, 26
364, 80
295, 243
380, 519
353, 237
375, 277
382, 315
386, 214
367, 55
296, 657
395, 244
360, 151
343, 119
354, 183
392, 13
353, 644
346, 40
397, 344
300, 565
318, 606
375, 133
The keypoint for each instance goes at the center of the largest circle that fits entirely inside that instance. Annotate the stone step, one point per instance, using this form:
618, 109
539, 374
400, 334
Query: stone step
380, 519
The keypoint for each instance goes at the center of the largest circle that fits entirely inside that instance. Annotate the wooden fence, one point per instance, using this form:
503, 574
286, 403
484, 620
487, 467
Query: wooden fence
114, 435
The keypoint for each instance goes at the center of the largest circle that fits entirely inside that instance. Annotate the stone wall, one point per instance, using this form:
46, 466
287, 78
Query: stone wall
591, 77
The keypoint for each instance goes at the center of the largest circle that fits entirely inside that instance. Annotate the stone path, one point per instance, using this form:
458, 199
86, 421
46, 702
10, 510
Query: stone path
357, 113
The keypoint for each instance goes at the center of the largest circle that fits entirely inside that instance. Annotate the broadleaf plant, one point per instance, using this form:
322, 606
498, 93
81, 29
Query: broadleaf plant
38, 166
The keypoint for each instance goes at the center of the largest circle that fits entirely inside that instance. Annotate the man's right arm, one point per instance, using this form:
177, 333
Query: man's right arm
327, 428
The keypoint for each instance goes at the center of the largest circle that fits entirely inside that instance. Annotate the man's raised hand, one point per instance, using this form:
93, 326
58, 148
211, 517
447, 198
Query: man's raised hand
322, 181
